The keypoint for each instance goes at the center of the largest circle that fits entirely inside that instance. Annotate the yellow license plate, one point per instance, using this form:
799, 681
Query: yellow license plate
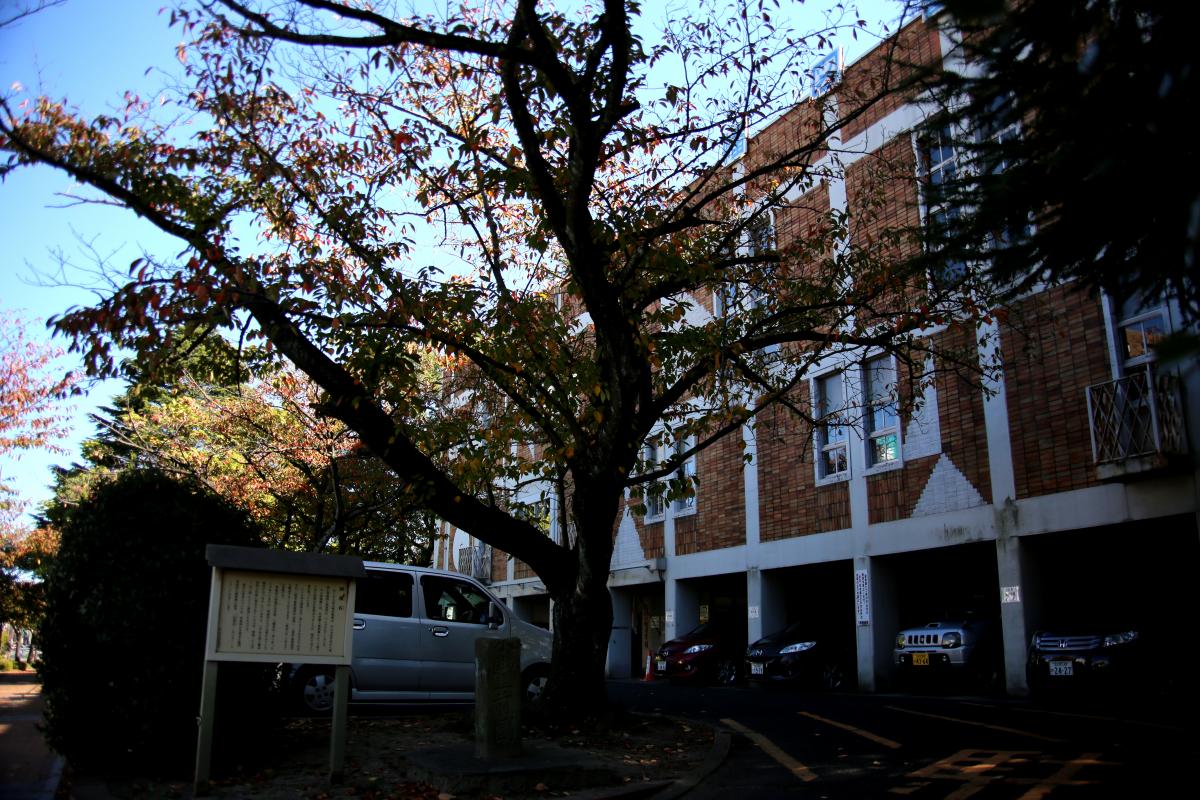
920, 659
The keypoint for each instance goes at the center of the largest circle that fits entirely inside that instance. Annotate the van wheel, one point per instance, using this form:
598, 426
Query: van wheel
314, 691
533, 683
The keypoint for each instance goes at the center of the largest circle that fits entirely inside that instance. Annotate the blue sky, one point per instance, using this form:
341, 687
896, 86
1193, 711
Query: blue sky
89, 51
92, 51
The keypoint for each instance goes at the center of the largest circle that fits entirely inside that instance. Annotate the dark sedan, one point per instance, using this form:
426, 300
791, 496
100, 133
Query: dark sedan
797, 655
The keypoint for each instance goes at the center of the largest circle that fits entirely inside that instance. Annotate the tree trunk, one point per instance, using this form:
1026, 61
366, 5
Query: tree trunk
583, 617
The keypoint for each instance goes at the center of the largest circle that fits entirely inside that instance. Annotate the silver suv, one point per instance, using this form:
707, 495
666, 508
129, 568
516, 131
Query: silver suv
962, 647
414, 640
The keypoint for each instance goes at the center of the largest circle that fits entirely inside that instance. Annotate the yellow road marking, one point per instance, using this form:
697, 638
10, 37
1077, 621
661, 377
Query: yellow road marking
978, 724
770, 748
859, 731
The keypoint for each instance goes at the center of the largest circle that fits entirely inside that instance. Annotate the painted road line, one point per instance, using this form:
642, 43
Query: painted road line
979, 724
770, 748
858, 731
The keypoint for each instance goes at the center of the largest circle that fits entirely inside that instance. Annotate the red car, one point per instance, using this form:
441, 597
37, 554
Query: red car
710, 652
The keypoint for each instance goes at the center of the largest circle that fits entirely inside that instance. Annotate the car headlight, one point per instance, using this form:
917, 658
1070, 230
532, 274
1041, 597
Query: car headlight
798, 647
1120, 638
899, 641
698, 648
951, 640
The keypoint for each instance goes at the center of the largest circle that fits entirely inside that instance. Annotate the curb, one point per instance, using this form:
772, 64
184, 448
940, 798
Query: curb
716, 757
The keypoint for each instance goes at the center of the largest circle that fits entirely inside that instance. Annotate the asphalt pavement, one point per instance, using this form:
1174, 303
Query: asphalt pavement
29, 770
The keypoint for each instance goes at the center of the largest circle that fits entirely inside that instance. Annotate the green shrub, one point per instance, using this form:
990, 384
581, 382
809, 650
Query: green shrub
124, 630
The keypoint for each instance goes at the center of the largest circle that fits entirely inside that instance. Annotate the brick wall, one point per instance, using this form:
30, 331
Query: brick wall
881, 192
651, 536
885, 67
499, 565
1054, 346
893, 495
790, 502
960, 402
784, 140
720, 518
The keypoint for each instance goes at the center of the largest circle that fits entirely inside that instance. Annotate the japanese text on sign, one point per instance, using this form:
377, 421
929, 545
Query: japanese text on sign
284, 615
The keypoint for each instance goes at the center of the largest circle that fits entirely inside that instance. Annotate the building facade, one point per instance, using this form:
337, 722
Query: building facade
1063, 493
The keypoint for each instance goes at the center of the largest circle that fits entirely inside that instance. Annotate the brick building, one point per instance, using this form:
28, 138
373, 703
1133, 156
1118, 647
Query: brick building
1066, 490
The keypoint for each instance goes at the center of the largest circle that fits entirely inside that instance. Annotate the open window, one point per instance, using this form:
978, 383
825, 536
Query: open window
832, 433
882, 412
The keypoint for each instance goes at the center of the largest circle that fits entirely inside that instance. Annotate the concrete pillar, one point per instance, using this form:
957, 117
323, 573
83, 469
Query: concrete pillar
497, 698
764, 589
683, 608
1015, 592
874, 579
620, 641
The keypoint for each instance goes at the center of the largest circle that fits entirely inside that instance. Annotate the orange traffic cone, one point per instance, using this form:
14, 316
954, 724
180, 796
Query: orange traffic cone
649, 676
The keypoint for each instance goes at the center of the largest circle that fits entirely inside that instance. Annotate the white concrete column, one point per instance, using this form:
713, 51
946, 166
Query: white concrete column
619, 640
682, 608
995, 418
1014, 592
875, 639
750, 488
765, 591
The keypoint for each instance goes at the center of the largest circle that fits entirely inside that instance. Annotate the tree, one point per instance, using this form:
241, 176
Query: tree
24, 557
126, 617
1064, 111
305, 480
599, 209
31, 391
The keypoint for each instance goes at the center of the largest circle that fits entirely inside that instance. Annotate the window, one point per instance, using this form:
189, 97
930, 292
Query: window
999, 129
387, 594
1137, 336
833, 457
451, 600
656, 506
687, 470
882, 411
938, 167
748, 295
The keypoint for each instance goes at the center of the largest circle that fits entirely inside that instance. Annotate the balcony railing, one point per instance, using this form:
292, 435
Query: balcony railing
476, 560
1138, 417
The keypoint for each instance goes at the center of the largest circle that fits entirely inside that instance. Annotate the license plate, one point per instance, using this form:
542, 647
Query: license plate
661, 665
1062, 668
756, 669
920, 659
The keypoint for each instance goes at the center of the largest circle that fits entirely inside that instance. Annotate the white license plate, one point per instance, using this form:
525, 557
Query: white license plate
756, 669
1064, 668
661, 665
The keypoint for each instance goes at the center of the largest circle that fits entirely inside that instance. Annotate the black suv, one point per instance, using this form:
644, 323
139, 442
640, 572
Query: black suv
1064, 658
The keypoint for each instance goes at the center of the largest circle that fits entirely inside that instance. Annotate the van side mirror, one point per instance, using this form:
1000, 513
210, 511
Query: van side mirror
495, 618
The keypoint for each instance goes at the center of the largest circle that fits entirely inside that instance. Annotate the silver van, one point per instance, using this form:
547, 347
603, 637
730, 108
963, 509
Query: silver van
414, 640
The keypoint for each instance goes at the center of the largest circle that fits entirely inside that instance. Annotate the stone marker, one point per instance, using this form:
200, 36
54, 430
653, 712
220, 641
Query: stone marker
497, 698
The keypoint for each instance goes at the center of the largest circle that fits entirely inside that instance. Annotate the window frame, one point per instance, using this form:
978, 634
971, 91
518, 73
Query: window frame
929, 206
822, 444
657, 507
1125, 362
870, 405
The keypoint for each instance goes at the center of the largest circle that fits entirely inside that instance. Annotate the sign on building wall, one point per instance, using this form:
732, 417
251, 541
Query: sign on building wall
862, 597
